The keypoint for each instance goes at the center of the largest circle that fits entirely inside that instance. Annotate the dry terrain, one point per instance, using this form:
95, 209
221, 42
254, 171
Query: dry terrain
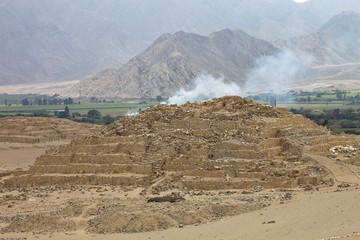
322, 78
39, 88
72, 39
24, 139
228, 168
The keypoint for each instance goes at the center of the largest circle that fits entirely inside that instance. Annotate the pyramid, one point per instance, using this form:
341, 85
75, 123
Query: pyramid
225, 143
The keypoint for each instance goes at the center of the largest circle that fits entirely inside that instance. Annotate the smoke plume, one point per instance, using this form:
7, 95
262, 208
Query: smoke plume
205, 87
276, 73
132, 113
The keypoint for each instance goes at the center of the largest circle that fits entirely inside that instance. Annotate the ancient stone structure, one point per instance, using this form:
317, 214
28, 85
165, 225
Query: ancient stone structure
226, 143
41, 129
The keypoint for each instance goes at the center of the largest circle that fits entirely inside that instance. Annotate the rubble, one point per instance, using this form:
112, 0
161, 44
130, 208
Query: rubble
225, 156
342, 149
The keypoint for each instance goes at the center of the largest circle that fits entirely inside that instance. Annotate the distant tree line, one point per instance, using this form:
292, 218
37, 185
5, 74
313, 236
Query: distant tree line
308, 97
48, 101
339, 120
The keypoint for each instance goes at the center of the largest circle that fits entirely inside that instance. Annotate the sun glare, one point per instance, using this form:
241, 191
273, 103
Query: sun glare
300, 1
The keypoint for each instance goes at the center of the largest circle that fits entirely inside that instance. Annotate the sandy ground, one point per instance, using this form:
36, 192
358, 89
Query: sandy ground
327, 85
39, 88
20, 156
327, 213
312, 215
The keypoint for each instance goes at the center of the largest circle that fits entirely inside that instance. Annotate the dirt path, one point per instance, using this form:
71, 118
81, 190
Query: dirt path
341, 172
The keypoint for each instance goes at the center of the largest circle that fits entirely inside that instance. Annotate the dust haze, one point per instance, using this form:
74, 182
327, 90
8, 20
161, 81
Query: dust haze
275, 73
205, 87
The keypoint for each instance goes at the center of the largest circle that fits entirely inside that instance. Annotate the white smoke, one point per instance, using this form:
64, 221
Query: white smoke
205, 87
132, 113
276, 73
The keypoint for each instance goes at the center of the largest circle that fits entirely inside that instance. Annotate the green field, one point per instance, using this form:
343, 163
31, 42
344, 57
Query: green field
318, 105
337, 110
112, 109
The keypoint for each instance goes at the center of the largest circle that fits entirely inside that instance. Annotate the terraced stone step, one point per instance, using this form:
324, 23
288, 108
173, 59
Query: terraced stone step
228, 143
41, 132
225, 173
234, 145
244, 167
270, 142
76, 179
238, 172
19, 139
91, 168
129, 148
227, 153
274, 151
329, 139
303, 131
222, 183
324, 144
195, 126
193, 123
116, 158
108, 140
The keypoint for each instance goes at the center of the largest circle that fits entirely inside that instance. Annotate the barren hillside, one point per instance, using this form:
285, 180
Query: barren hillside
44, 40
336, 42
173, 60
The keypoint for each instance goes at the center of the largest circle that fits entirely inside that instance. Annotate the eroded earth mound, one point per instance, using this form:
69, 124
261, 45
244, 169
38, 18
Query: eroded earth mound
41, 129
177, 165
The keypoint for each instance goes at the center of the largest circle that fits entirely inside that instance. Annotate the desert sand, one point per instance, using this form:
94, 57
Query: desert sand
312, 215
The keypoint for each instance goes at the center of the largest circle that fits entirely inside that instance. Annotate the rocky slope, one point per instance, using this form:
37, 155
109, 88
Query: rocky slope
173, 60
336, 42
57, 40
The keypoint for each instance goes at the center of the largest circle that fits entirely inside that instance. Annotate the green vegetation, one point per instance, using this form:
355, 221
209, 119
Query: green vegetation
99, 112
345, 120
113, 109
337, 110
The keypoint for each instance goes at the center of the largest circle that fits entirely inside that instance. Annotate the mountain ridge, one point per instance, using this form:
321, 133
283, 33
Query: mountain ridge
66, 40
336, 42
174, 60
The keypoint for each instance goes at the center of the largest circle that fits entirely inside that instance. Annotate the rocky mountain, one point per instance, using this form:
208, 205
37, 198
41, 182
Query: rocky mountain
336, 42
43, 40
47, 41
173, 60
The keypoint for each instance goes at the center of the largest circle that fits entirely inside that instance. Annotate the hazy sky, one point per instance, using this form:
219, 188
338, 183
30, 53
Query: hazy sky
300, 1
